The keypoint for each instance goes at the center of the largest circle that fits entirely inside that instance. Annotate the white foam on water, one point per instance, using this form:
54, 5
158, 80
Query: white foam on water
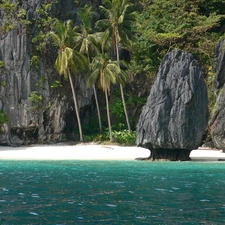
163, 190
174, 188
111, 205
141, 217
33, 213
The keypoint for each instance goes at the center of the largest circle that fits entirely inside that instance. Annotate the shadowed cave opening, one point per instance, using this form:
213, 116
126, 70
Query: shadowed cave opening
89, 123
71, 127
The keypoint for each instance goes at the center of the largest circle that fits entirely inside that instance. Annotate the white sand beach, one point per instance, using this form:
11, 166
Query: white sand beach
93, 152
73, 152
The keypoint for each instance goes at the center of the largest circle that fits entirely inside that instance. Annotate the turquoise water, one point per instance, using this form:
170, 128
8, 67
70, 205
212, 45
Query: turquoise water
111, 192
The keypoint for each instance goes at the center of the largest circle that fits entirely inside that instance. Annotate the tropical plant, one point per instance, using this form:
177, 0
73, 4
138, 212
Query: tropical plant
87, 44
36, 101
68, 59
44, 22
2, 64
117, 23
3, 118
182, 24
104, 72
12, 15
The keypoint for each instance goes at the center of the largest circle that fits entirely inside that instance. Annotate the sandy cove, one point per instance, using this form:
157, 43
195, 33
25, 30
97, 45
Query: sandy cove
93, 152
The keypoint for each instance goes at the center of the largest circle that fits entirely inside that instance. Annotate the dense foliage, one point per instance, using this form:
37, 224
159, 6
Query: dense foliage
139, 32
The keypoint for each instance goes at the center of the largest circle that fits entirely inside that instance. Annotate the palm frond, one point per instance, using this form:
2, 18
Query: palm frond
93, 78
56, 40
105, 38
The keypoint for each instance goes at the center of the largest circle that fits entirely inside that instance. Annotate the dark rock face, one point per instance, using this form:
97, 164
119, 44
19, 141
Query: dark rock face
217, 122
20, 81
219, 65
175, 116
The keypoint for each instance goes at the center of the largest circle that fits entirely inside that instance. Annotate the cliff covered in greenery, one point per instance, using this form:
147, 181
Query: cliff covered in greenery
107, 53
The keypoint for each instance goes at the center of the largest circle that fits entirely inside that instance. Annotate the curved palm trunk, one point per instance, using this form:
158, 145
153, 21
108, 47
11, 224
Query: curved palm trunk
76, 107
121, 89
98, 111
108, 116
96, 101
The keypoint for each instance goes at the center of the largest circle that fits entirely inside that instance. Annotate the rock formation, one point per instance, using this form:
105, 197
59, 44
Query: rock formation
175, 116
217, 122
56, 105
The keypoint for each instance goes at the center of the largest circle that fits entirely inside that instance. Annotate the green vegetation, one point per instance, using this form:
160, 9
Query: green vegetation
106, 72
145, 30
123, 137
117, 30
36, 101
165, 25
87, 44
34, 62
68, 59
12, 16
2, 65
3, 118
3, 83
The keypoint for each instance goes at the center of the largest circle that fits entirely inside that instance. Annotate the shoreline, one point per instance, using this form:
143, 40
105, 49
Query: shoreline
93, 151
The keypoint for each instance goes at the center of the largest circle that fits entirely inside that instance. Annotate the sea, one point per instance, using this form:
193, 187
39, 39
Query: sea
111, 192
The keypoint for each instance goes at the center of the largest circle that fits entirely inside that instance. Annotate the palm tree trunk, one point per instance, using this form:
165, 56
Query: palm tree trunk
108, 116
121, 89
76, 107
96, 101
98, 111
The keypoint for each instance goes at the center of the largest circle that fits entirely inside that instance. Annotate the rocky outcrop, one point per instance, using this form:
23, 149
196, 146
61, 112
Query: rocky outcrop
219, 65
175, 116
18, 81
217, 123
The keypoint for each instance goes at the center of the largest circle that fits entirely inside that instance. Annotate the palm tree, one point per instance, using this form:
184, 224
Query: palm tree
87, 43
68, 60
118, 22
105, 71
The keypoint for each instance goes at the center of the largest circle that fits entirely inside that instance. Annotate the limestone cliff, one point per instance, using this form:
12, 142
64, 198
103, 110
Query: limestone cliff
55, 111
217, 122
175, 116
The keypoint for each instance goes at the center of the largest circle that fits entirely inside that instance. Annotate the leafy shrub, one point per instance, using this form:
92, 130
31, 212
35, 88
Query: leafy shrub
121, 137
3, 83
36, 101
125, 137
1, 64
3, 118
34, 62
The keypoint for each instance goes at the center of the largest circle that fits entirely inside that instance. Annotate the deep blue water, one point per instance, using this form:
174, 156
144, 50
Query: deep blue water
111, 192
